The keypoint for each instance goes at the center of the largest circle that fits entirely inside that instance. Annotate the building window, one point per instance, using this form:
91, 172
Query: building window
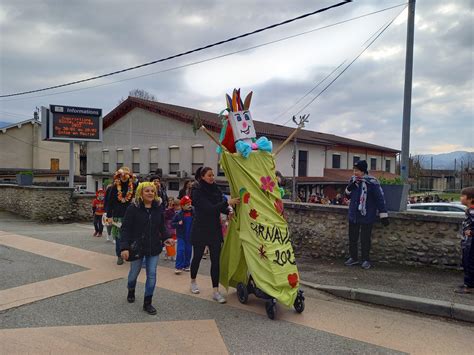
173, 185
302, 163
198, 158
373, 163
119, 158
336, 161
387, 165
136, 160
153, 159
174, 159
54, 164
105, 161
355, 159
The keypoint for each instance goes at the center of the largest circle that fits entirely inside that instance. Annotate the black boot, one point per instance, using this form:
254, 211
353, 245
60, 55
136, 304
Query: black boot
147, 307
131, 295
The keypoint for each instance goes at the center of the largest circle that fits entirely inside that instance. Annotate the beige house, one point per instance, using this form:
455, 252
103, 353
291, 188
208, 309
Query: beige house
152, 136
22, 149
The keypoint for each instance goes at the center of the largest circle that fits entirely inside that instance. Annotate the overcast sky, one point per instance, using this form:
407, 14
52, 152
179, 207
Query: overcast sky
46, 42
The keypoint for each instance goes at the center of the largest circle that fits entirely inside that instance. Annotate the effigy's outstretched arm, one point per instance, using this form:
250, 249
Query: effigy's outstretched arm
205, 130
287, 141
300, 123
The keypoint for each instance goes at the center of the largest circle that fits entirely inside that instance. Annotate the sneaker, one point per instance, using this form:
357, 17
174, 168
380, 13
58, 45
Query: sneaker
114, 241
108, 238
178, 271
351, 262
464, 290
194, 288
218, 297
187, 269
366, 265
119, 260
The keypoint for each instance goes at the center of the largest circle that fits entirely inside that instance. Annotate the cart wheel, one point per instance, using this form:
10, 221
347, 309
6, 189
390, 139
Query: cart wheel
299, 303
242, 293
270, 307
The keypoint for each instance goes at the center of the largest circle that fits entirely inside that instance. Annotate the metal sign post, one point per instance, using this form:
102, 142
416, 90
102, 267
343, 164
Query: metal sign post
72, 167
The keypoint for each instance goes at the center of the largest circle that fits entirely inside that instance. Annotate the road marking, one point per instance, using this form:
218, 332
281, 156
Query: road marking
396, 330
167, 337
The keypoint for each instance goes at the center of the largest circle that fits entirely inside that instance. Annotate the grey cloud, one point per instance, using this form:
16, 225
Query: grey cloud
99, 36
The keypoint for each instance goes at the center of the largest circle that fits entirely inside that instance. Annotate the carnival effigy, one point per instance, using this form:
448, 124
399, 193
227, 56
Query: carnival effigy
257, 256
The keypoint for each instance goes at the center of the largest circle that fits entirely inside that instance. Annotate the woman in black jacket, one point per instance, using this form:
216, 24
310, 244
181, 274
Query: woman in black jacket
209, 202
186, 190
143, 234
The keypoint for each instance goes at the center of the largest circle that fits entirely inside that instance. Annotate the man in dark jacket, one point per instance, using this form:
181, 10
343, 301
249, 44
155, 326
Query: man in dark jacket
366, 197
121, 194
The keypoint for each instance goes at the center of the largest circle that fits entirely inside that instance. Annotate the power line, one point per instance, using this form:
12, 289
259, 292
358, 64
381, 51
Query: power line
184, 53
310, 91
212, 58
380, 32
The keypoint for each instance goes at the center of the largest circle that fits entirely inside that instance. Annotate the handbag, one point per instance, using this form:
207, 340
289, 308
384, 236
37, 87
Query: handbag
134, 251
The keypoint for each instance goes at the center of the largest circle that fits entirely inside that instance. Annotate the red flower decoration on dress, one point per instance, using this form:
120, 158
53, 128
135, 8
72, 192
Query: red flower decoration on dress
267, 183
253, 214
246, 197
279, 206
293, 280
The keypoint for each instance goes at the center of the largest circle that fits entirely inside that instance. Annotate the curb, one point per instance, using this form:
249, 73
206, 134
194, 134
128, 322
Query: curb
410, 303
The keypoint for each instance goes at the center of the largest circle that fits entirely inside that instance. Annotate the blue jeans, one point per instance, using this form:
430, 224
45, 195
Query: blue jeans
117, 247
183, 254
135, 268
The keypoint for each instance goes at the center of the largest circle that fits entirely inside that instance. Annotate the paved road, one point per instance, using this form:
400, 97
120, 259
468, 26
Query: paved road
61, 291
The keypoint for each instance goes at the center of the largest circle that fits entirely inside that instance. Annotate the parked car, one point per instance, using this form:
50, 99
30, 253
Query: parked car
82, 189
438, 208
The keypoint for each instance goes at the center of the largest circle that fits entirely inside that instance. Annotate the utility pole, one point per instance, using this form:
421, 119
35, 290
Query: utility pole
300, 124
408, 89
293, 165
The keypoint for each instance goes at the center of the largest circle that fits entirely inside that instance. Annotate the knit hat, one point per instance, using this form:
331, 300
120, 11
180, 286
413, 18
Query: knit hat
100, 191
185, 200
361, 165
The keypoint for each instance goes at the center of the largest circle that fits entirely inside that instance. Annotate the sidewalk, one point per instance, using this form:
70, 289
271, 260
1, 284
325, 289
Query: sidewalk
422, 289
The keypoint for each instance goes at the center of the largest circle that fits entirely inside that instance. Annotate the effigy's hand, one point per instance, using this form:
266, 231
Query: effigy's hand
234, 201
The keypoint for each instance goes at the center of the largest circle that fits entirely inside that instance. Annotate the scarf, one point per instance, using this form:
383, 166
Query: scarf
366, 179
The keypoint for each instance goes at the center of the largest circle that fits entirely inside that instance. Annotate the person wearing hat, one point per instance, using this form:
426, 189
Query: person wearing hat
366, 198
120, 197
183, 221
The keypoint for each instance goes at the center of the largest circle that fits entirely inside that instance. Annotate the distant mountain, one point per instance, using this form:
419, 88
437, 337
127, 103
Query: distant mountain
4, 124
446, 161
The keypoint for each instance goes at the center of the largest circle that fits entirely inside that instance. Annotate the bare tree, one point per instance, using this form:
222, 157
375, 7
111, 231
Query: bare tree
141, 94
416, 169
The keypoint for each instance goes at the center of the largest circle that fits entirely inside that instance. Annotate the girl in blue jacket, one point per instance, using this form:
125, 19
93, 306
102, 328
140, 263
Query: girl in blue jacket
182, 221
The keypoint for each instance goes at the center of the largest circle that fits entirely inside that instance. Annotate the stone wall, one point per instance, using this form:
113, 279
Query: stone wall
410, 239
317, 231
83, 206
46, 204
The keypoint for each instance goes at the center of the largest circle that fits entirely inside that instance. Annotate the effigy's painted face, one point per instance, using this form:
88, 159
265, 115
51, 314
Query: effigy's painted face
242, 125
